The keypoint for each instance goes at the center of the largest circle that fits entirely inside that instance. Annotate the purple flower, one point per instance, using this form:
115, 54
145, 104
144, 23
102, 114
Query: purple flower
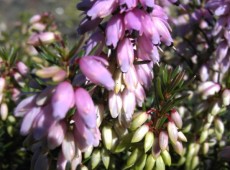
62, 100
102, 8
125, 54
126, 5
115, 30
85, 107
94, 68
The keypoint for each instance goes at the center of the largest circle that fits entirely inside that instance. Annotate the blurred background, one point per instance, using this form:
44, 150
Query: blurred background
12, 12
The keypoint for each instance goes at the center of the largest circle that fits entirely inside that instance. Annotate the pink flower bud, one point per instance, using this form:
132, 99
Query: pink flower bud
28, 120
56, 134
35, 18
140, 95
129, 103
68, 146
38, 27
4, 111
115, 104
132, 20
175, 116
114, 30
42, 123
59, 76
62, 100
102, 8
85, 107
94, 68
203, 72
22, 68
172, 131
178, 148
163, 140
125, 54
156, 150
2, 84
25, 106
130, 78
44, 37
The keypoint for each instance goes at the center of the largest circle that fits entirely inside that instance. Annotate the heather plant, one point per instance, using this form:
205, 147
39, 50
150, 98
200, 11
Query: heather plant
145, 86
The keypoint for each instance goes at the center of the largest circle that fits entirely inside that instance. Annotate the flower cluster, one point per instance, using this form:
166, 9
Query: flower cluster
132, 34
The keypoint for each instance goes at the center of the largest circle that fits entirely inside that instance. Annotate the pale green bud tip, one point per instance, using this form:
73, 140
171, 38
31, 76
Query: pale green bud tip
4, 111
182, 137
138, 120
149, 139
107, 137
219, 126
96, 158
140, 133
226, 97
203, 136
166, 157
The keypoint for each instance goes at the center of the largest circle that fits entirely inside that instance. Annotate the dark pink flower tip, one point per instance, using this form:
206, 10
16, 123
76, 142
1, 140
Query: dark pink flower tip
62, 100
85, 107
94, 69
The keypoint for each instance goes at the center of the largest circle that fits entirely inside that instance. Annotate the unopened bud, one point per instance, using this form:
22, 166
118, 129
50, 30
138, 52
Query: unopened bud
197, 148
215, 109
22, 68
149, 139
138, 120
208, 88
48, 72
226, 97
2, 84
107, 136
195, 162
182, 137
11, 119
82, 167
156, 150
210, 118
88, 151
150, 162
100, 113
166, 157
19, 79
207, 126
59, 76
163, 140
44, 37
96, 158
105, 158
203, 136
172, 131
160, 165
68, 146
35, 18
140, 133
205, 148
219, 126
140, 164
187, 127
175, 116
178, 148
133, 158
4, 111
